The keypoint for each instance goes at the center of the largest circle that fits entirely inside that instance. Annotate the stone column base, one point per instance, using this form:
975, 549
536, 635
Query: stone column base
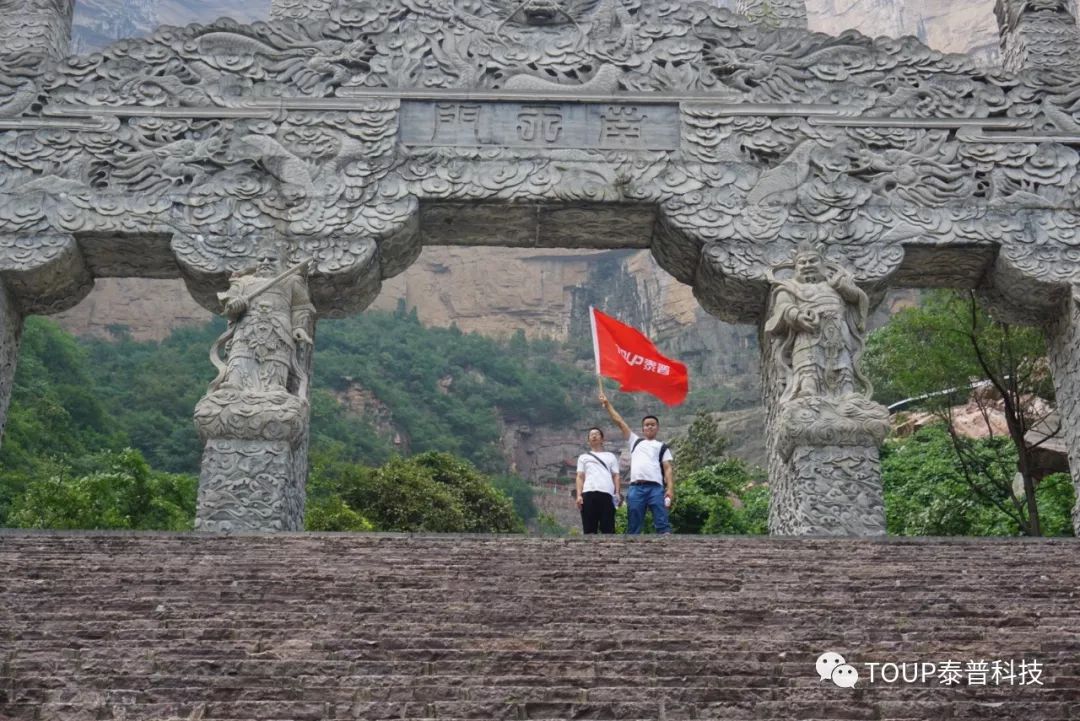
249, 485
254, 463
829, 491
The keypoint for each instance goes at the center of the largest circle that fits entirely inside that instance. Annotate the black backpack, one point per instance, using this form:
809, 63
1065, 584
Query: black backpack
659, 459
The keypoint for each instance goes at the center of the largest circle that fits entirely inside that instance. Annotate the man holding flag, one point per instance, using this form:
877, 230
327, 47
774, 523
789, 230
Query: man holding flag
624, 354
652, 481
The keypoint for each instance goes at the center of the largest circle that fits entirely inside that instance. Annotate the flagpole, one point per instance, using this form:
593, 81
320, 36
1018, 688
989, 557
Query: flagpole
596, 350
595, 344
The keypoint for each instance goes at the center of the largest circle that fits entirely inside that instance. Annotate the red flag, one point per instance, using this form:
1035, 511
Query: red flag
625, 355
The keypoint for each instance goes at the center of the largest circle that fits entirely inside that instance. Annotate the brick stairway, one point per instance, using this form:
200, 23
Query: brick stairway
193, 627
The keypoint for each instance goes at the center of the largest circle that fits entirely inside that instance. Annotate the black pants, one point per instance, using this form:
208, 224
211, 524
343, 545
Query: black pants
597, 512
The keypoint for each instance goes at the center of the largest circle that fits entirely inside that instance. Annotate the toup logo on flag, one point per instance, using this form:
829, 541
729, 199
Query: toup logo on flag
625, 355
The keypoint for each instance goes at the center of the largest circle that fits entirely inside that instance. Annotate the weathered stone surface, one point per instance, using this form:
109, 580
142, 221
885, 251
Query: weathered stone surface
150, 310
34, 28
449, 285
951, 26
774, 13
149, 627
1063, 352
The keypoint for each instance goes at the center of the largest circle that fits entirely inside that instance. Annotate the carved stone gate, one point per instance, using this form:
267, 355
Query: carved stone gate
348, 133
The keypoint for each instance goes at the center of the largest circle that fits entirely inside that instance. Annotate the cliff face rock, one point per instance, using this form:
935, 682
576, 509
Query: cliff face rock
149, 309
493, 291
364, 403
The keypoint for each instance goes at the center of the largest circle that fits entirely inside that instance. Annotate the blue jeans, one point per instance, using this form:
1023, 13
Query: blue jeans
640, 497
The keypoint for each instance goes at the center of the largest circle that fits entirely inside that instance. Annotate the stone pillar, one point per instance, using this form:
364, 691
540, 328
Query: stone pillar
32, 33
1039, 35
1063, 352
822, 430
10, 333
254, 419
775, 13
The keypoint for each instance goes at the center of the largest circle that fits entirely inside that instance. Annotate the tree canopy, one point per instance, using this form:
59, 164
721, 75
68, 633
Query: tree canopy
941, 351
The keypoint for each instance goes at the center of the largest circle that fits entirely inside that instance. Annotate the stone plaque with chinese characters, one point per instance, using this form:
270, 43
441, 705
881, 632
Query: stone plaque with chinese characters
604, 126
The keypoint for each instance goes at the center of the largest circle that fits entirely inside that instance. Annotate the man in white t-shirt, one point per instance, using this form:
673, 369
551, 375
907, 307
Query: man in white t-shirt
652, 479
597, 485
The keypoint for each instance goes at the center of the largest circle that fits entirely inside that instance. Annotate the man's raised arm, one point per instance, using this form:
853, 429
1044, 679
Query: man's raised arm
615, 417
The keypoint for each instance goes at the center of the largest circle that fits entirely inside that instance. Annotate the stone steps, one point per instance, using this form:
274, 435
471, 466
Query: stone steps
296, 626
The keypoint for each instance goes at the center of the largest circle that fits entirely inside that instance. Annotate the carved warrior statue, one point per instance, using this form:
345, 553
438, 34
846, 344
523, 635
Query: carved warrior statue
818, 318
824, 429
269, 312
254, 415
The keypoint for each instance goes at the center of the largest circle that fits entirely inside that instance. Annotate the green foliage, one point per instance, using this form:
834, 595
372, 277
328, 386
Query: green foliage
449, 391
485, 509
444, 390
723, 498
928, 494
937, 346
77, 404
150, 389
936, 351
54, 410
521, 494
332, 513
548, 525
714, 493
433, 492
125, 494
701, 446
1057, 498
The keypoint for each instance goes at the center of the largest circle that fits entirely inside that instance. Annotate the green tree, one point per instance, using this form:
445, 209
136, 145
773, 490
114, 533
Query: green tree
928, 490
332, 513
936, 353
520, 492
433, 492
125, 494
702, 445
722, 498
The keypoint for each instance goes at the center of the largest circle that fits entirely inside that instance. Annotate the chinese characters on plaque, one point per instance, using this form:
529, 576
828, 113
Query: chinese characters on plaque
603, 126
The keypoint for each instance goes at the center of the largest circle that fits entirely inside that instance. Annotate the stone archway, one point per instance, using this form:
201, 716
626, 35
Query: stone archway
346, 131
